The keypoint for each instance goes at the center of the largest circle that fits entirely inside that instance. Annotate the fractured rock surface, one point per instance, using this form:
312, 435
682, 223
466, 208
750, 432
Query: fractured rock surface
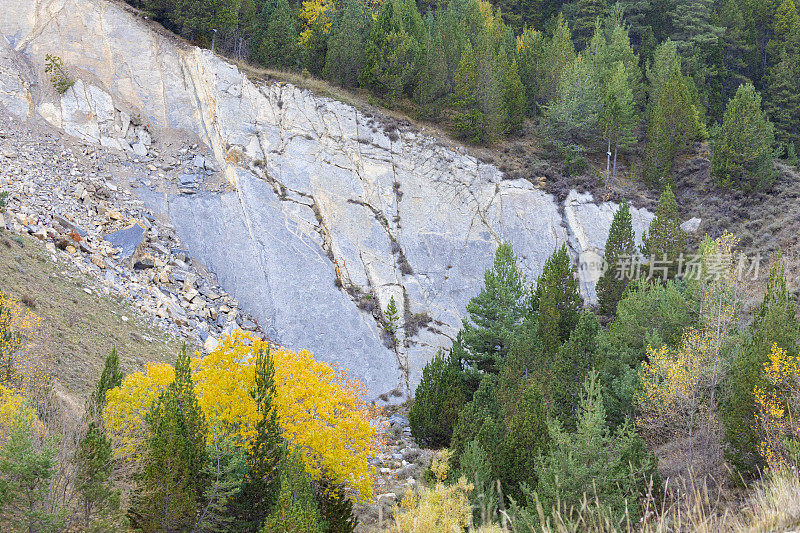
328, 212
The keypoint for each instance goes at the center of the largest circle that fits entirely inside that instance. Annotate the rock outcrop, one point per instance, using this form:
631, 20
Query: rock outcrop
325, 212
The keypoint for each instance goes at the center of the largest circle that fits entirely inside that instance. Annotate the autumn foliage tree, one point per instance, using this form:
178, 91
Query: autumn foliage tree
334, 438
778, 405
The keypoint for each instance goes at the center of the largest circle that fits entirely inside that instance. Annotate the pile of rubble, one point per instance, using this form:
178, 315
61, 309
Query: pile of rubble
399, 465
79, 201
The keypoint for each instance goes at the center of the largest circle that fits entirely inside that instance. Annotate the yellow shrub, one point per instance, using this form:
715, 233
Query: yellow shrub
320, 410
445, 509
12, 405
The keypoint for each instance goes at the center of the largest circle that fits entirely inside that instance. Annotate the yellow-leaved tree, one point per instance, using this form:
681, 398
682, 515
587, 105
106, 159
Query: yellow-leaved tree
778, 407
320, 409
315, 15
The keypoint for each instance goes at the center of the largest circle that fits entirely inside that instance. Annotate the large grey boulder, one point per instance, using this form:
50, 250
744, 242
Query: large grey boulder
127, 240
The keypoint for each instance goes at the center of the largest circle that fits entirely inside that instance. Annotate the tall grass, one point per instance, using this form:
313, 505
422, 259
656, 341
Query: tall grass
772, 505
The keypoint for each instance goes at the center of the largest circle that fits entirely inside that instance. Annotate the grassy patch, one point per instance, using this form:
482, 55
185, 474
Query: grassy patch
77, 329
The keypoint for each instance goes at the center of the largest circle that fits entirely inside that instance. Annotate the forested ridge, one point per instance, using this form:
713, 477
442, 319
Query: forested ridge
643, 77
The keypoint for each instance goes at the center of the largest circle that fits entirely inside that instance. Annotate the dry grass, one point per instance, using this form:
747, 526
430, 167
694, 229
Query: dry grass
773, 505
77, 330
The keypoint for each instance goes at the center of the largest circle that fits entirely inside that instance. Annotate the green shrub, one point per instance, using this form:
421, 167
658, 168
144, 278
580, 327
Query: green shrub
60, 78
613, 466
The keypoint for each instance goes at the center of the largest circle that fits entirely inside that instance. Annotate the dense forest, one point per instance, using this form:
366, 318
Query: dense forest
642, 76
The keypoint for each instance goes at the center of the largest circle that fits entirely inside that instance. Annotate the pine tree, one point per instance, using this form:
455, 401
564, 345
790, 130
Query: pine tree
480, 419
775, 322
674, 119
392, 319
572, 116
531, 54
513, 97
225, 470
615, 467
296, 510
490, 94
694, 28
438, 399
618, 116
110, 378
741, 152
617, 48
560, 52
541, 60
476, 468
650, 313
278, 44
791, 156
650, 22
495, 313
394, 50
570, 367
171, 483
345, 56
786, 29
548, 318
620, 246
782, 101
262, 482
740, 47
434, 84
469, 121
336, 508
525, 439
698, 37
665, 241
26, 469
666, 63
588, 14
99, 499
559, 283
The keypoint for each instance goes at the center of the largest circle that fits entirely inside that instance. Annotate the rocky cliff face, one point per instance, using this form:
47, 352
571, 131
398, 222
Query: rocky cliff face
326, 212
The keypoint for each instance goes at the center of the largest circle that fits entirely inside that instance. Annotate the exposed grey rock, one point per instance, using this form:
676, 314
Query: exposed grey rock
16, 78
139, 149
128, 239
143, 264
691, 225
69, 225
